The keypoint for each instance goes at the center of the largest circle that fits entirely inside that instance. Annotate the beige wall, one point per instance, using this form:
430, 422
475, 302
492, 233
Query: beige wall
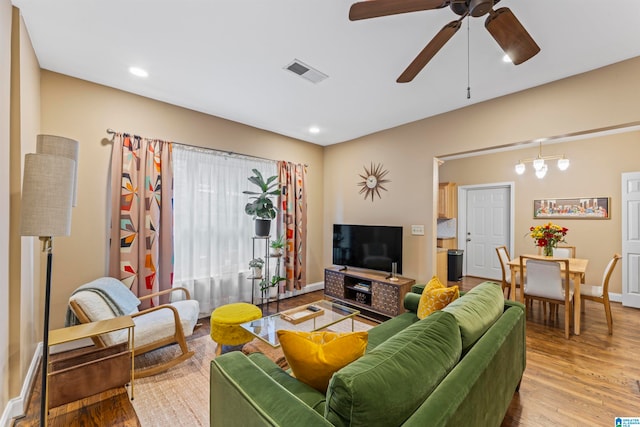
24, 285
596, 168
601, 98
32, 258
5, 105
83, 111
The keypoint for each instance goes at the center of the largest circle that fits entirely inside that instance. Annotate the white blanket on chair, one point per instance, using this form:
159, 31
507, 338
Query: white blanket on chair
114, 293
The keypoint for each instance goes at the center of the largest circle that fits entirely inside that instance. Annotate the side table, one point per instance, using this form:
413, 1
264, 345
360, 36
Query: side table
93, 372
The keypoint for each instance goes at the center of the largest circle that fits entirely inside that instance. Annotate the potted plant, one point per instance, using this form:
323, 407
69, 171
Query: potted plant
277, 246
260, 206
256, 267
271, 285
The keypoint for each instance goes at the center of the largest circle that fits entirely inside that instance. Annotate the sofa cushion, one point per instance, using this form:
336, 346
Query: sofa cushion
476, 311
315, 356
302, 391
385, 330
436, 296
156, 325
409, 365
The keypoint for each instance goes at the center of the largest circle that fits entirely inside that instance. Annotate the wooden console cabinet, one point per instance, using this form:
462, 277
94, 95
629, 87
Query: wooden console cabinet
367, 290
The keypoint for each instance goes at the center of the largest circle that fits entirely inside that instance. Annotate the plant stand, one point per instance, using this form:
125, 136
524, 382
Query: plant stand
264, 296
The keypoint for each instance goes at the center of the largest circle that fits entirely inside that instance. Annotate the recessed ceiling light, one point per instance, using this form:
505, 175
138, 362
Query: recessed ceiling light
136, 71
314, 130
506, 58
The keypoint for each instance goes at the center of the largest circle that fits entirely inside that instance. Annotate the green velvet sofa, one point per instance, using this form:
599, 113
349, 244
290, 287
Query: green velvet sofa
459, 366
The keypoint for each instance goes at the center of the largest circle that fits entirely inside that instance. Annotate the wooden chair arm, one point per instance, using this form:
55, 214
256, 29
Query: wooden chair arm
166, 291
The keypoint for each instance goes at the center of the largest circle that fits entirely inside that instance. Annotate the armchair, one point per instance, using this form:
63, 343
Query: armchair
155, 327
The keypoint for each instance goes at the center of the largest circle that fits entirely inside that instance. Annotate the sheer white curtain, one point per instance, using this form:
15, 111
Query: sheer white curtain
212, 234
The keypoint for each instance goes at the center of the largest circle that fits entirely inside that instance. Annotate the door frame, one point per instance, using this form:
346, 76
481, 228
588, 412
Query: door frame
628, 298
462, 213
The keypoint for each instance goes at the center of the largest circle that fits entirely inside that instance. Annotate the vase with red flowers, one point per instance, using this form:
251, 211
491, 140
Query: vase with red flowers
548, 236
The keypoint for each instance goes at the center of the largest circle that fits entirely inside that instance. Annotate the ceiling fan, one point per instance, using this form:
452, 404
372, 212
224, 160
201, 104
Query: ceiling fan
501, 24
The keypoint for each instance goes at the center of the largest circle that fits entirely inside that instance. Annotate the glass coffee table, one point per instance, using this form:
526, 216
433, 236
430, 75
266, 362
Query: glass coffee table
300, 319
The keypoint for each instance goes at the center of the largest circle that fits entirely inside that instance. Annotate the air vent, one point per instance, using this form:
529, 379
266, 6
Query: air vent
305, 71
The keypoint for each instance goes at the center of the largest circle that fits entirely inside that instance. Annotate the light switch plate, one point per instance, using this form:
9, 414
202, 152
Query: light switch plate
417, 230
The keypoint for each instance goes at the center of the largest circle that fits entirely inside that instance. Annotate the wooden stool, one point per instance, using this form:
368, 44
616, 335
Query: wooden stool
226, 321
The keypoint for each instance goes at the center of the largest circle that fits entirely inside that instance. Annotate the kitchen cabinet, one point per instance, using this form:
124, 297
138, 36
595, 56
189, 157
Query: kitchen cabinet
442, 266
447, 200
450, 243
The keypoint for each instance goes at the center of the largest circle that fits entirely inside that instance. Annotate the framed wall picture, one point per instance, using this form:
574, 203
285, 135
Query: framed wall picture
573, 208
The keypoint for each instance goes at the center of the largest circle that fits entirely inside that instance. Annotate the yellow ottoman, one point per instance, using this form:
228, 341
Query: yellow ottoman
226, 321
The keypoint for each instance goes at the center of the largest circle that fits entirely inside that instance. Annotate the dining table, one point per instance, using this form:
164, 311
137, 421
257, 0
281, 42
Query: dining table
577, 269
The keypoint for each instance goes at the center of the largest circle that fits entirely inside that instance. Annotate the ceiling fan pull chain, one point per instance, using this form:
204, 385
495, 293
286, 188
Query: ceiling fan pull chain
468, 64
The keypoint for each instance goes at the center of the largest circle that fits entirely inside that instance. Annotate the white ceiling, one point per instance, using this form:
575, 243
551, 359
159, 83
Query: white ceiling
227, 58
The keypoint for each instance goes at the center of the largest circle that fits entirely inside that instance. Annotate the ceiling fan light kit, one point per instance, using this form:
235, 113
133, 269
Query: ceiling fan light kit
539, 165
501, 23
479, 7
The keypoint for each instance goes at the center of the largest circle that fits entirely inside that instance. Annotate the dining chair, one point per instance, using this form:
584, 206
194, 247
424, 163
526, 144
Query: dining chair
564, 251
561, 251
504, 258
600, 293
543, 282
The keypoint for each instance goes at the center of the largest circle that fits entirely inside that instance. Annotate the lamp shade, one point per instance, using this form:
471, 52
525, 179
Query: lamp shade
47, 192
60, 146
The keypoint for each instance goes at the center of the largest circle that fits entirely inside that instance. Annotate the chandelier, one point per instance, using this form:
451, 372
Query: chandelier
539, 164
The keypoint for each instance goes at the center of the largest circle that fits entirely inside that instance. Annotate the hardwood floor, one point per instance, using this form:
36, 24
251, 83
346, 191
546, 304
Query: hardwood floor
586, 380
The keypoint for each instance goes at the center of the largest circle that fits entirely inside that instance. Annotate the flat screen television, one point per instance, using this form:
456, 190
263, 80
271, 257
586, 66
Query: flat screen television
372, 247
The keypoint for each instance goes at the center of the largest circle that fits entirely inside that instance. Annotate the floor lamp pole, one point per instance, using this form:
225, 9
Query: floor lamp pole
48, 248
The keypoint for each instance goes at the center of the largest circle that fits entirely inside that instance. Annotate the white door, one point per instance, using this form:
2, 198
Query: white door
631, 239
487, 225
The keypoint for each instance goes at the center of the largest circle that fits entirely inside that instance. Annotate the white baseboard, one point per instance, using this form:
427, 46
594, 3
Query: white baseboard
311, 287
615, 297
17, 406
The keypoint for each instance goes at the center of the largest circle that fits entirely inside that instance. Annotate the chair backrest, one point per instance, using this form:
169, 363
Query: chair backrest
544, 277
504, 258
103, 299
607, 272
561, 251
564, 252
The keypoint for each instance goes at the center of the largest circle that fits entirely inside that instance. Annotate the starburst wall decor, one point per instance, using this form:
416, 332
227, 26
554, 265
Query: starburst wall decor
373, 180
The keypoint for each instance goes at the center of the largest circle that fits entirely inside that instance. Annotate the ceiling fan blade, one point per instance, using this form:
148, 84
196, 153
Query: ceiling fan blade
375, 8
429, 51
511, 35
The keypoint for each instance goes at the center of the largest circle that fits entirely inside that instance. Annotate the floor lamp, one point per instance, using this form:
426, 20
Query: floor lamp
47, 196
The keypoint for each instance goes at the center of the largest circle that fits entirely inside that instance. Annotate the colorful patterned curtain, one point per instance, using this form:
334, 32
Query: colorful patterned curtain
293, 205
141, 244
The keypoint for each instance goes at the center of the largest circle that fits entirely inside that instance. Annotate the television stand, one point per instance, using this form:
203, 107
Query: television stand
370, 291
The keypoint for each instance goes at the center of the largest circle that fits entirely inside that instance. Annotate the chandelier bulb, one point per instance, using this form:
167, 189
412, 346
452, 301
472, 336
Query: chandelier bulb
540, 173
520, 168
538, 163
563, 164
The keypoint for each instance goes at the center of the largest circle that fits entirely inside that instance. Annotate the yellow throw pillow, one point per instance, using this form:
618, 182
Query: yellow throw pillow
436, 296
315, 356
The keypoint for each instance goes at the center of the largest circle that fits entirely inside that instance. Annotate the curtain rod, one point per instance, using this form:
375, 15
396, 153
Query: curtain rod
231, 153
